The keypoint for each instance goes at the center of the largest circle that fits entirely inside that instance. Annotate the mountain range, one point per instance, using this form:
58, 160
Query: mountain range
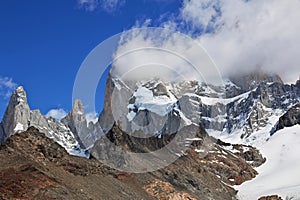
221, 129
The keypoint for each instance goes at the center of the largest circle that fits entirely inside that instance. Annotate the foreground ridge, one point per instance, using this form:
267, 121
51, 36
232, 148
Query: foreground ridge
40, 168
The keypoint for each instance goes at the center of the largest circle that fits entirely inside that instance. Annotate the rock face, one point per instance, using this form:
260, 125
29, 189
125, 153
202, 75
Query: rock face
18, 117
106, 119
246, 113
200, 172
253, 111
145, 106
242, 107
85, 133
121, 148
251, 80
290, 118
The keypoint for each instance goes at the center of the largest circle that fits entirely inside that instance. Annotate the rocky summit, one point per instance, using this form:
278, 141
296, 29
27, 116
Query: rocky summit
85, 133
18, 117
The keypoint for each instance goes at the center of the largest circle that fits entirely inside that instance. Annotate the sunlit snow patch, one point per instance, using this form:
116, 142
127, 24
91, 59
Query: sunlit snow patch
145, 100
19, 127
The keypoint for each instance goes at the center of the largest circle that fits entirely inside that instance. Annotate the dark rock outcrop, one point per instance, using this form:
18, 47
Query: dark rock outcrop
271, 197
249, 81
290, 118
204, 170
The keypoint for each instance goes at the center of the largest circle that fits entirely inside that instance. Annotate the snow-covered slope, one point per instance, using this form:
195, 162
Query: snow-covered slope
280, 174
258, 137
145, 99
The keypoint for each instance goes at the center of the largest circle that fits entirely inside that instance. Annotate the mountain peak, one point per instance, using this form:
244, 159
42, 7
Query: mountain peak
78, 107
298, 83
20, 89
85, 133
18, 96
249, 81
18, 117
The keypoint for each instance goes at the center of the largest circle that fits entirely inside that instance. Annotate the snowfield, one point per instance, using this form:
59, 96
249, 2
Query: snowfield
145, 99
281, 173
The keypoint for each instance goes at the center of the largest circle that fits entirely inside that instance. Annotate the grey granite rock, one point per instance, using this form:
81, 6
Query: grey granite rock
85, 133
290, 118
17, 114
18, 117
243, 105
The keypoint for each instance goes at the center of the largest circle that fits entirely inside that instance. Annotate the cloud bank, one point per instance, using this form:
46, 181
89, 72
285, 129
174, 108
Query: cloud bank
149, 53
239, 35
255, 34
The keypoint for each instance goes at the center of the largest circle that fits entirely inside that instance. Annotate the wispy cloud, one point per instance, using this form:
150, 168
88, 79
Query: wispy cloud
7, 86
57, 114
88, 5
107, 5
111, 5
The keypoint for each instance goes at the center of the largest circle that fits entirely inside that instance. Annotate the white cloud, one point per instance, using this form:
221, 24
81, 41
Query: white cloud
157, 53
107, 5
57, 114
251, 34
239, 35
7, 86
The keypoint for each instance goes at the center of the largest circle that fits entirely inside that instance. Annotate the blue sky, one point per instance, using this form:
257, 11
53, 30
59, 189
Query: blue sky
42, 43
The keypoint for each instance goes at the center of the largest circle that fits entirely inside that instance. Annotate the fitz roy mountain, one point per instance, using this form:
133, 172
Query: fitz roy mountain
248, 113
246, 109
